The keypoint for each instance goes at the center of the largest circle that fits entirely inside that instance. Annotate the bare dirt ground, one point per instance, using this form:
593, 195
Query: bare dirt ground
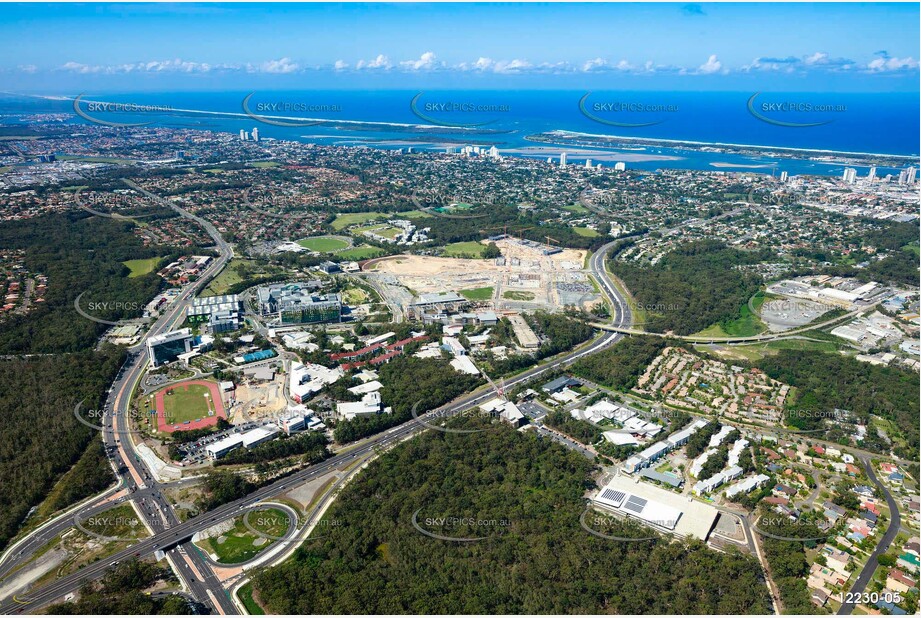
526, 272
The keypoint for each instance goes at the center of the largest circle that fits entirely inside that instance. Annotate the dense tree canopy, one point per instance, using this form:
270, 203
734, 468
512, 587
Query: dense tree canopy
524, 495
692, 287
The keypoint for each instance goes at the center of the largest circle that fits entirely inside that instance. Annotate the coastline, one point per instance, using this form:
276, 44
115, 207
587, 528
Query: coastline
673, 142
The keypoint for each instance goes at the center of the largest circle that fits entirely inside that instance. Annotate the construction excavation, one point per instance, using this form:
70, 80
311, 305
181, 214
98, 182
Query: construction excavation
528, 276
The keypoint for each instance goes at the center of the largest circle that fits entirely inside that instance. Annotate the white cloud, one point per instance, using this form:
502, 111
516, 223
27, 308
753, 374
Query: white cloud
381, 62
425, 62
885, 63
712, 65
595, 63
283, 65
341, 65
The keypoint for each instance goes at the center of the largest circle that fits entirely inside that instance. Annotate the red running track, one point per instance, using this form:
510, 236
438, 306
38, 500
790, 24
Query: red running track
216, 399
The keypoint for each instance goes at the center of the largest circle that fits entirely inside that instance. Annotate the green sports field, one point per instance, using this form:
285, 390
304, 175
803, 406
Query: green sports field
187, 403
477, 293
324, 244
468, 249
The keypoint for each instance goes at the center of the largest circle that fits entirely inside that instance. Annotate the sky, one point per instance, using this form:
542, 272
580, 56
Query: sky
843, 47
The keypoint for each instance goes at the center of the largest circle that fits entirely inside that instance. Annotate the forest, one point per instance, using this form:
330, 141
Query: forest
407, 381
79, 253
692, 287
42, 438
621, 365
524, 496
829, 381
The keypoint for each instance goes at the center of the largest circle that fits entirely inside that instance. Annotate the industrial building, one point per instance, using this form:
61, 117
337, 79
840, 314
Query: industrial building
295, 303
657, 508
505, 410
657, 450
167, 347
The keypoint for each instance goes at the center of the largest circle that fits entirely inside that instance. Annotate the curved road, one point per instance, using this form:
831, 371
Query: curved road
173, 536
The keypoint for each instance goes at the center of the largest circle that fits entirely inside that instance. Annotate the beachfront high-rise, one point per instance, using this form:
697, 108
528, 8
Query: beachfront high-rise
850, 175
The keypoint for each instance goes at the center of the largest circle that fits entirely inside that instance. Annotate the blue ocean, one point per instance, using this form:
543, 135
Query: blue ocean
878, 123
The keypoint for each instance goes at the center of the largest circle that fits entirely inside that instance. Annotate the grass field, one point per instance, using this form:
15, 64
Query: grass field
469, 249
246, 596
577, 208
363, 252
517, 295
353, 218
324, 244
264, 164
387, 231
477, 293
757, 351
140, 268
225, 278
187, 403
120, 522
240, 544
745, 325
585, 231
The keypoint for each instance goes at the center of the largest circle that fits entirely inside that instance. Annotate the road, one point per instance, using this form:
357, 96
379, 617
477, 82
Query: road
174, 536
895, 522
134, 477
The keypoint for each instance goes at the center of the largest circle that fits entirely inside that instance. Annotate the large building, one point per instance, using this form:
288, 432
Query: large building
436, 306
306, 380
167, 347
657, 508
219, 314
297, 303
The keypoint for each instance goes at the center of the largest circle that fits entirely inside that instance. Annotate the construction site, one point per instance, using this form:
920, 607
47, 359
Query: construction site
528, 276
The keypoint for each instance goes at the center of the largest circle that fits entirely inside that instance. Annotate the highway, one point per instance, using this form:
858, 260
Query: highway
173, 536
134, 477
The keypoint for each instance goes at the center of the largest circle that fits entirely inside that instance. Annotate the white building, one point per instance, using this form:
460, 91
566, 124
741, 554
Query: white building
306, 380
563, 161
257, 436
220, 448
369, 405
850, 175
746, 485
